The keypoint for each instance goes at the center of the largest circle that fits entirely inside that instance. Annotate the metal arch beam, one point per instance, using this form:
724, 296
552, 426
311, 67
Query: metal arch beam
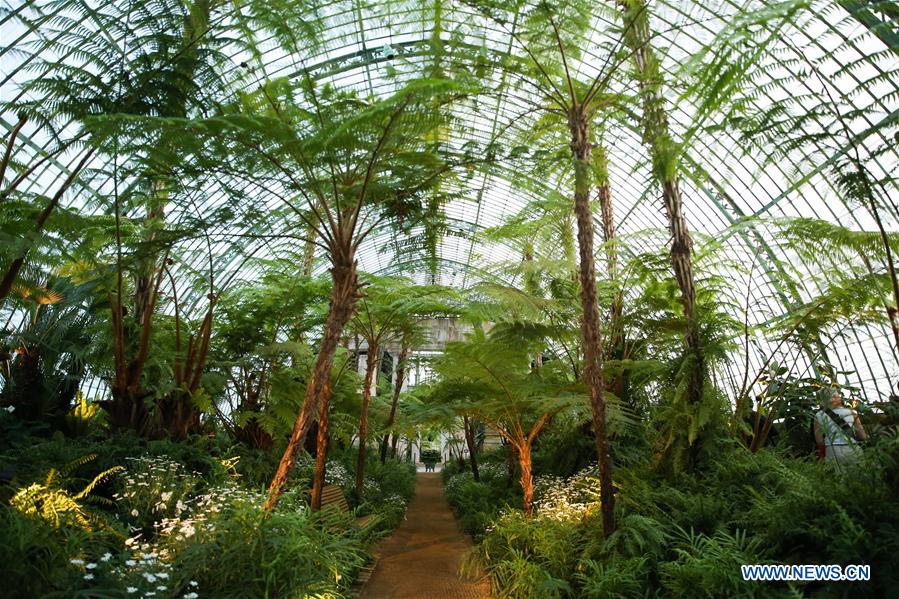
422, 47
397, 267
412, 48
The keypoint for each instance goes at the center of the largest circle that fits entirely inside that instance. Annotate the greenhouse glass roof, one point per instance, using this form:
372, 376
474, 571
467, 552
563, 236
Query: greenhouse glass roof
846, 52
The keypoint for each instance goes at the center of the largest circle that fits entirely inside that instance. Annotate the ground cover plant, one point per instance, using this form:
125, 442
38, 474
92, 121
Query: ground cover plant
179, 519
687, 537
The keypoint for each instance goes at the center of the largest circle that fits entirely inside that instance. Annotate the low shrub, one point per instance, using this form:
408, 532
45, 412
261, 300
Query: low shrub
228, 549
477, 503
688, 537
36, 557
195, 522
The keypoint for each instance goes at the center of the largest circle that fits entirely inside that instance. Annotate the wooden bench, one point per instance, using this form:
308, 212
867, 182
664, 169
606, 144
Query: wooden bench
332, 497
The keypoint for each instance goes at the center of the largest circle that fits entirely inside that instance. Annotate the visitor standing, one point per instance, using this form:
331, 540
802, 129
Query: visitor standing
838, 430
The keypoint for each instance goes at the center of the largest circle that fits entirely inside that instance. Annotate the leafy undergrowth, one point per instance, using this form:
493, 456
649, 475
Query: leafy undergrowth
181, 520
687, 537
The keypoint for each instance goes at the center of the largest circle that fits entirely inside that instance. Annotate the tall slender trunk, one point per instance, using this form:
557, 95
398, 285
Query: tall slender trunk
615, 348
309, 253
344, 295
530, 278
592, 337
397, 389
470, 425
371, 369
321, 450
394, 441
527, 478
149, 265
663, 151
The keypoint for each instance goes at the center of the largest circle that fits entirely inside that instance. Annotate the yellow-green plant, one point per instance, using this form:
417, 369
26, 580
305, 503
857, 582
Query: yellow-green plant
51, 502
83, 416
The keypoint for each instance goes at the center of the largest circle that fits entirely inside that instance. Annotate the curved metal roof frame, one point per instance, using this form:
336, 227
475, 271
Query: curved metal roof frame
722, 182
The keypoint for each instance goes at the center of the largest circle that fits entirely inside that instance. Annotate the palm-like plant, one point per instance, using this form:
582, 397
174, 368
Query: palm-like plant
570, 107
665, 165
823, 125
48, 336
389, 309
353, 164
492, 380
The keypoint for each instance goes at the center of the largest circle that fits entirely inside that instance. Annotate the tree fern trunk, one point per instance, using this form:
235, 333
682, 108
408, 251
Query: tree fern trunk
663, 152
371, 369
397, 389
344, 295
321, 451
470, 425
527, 478
615, 349
592, 337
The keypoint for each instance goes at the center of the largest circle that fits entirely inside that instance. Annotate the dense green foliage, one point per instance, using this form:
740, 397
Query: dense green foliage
191, 191
687, 537
181, 518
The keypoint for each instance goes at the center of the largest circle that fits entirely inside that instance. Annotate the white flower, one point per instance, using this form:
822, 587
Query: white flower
161, 587
166, 496
91, 566
10, 409
130, 562
193, 583
88, 576
131, 589
77, 562
106, 557
149, 577
191, 596
162, 575
135, 513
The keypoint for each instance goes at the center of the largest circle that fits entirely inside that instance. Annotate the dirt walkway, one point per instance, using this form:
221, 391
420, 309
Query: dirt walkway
420, 560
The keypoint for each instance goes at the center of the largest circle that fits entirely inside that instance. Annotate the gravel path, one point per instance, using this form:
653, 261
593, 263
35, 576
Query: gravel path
420, 560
